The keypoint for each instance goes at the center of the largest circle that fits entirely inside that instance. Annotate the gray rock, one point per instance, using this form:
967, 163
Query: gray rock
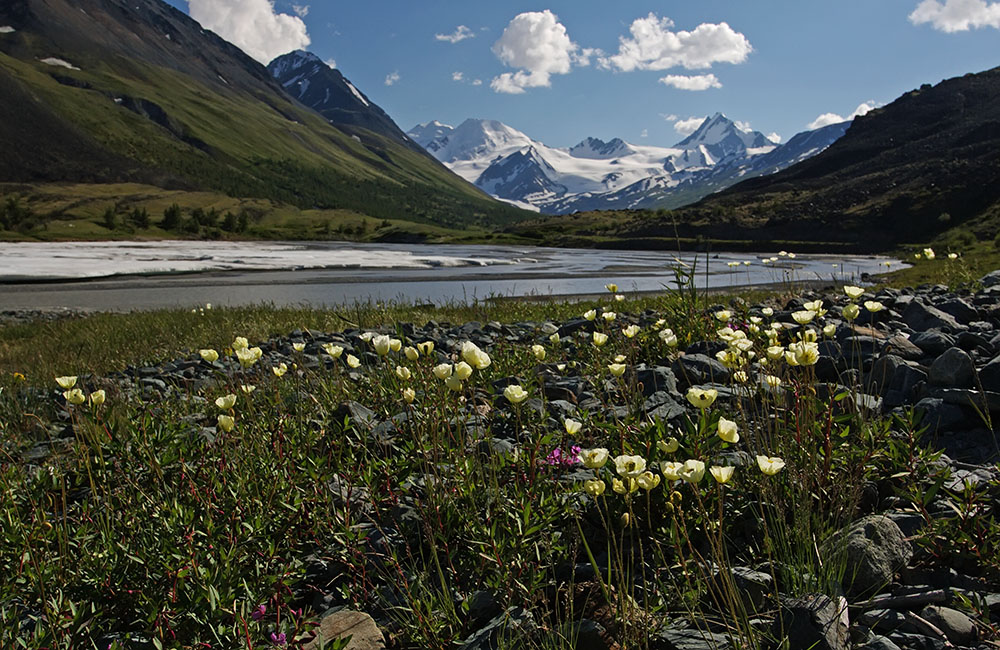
902, 347
882, 372
364, 634
909, 641
693, 369
989, 375
509, 629
958, 627
902, 388
874, 549
885, 621
923, 317
933, 342
991, 279
753, 587
960, 309
953, 369
939, 416
879, 643
814, 621
656, 379
692, 639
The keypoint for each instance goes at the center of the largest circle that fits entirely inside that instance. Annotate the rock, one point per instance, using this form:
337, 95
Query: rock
939, 416
753, 587
933, 342
958, 627
922, 317
909, 641
506, 630
960, 309
879, 643
364, 634
692, 369
902, 347
656, 379
882, 372
874, 549
991, 279
989, 376
358, 415
589, 635
692, 639
902, 387
953, 369
814, 621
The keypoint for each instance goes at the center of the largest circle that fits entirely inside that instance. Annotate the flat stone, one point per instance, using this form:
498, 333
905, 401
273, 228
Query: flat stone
902, 347
960, 309
692, 639
933, 342
939, 416
923, 317
813, 621
989, 375
958, 627
692, 369
364, 634
879, 643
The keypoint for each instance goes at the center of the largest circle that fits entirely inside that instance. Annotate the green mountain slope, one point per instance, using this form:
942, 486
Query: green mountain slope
105, 91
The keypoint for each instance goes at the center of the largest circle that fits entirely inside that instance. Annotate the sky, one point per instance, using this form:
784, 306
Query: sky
647, 72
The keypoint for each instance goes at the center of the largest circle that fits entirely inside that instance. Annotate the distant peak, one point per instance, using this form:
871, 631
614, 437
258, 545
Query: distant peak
292, 61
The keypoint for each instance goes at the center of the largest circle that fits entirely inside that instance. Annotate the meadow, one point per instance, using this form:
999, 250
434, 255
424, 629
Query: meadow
674, 471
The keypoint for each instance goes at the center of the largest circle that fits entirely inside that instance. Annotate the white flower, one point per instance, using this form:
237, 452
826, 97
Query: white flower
630, 466
209, 355
454, 383
671, 470
554, 339
403, 373
874, 306
594, 458
617, 369
594, 487
692, 471
630, 331
474, 356
226, 402
722, 475
515, 394
929, 253
770, 465
600, 338
426, 347
853, 292
723, 315
804, 316
572, 426
353, 361
590, 314
381, 344
443, 370
668, 337
463, 370
728, 431
280, 370
539, 351
702, 397
648, 480
411, 353
609, 316
333, 350
767, 311
240, 343
669, 446
409, 395
66, 382
298, 346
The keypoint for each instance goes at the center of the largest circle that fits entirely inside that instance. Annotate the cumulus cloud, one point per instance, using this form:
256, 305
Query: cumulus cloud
301, 10
669, 117
688, 126
774, 137
693, 82
457, 76
827, 119
653, 46
331, 62
392, 78
460, 34
477, 82
252, 25
537, 43
957, 15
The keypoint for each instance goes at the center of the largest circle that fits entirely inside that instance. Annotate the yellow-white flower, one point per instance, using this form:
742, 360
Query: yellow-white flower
609, 316
853, 292
630, 466
772, 381
209, 355
367, 336
98, 397
803, 316
474, 356
767, 311
572, 426
66, 382
851, 311
953, 256
241, 343
248, 388
701, 397
770, 465
225, 422
590, 314
594, 458
929, 253
668, 337
668, 446
600, 338
515, 394
722, 475
403, 373
671, 470
249, 356
226, 402
454, 383
426, 347
815, 306
631, 331
728, 431
619, 297
395, 345
333, 350
594, 487
411, 353
723, 315
729, 357
617, 369
381, 344
874, 306
409, 395
612, 288
692, 471
463, 370
627, 486
805, 353
740, 377
648, 480
443, 370
279, 371
298, 347
353, 361
554, 339
538, 351
74, 396
620, 358
829, 330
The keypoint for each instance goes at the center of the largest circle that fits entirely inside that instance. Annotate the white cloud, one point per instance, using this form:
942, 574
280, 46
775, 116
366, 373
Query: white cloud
392, 78
537, 43
644, 134
652, 46
669, 117
457, 76
774, 137
957, 15
694, 82
688, 126
826, 119
332, 63
460, 34
742, 125
252, 25
301, 10
477, 82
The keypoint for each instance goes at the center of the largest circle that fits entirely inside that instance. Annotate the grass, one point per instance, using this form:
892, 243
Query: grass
210, 515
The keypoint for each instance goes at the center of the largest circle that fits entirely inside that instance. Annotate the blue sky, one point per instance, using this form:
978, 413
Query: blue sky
578, 68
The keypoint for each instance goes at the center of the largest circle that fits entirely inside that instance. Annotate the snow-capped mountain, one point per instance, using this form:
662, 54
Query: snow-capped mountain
310, 80
609, 175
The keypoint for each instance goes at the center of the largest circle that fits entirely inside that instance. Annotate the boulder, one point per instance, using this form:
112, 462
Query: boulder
923, 317
364, 634
953, 369
875, 550
813, 621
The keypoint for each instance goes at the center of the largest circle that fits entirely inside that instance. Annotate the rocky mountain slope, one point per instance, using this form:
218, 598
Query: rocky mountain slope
109, 91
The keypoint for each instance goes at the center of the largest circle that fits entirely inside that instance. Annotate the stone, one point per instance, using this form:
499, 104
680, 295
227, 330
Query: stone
589, 635
509, 629
875, 550
902, 388
991, 279
989, 375
923, 317
813, 621
879, 643
909, 641
364, 634
693, 639
693, 369
939, 416
933, 342
882, 372
953, 369
958, 627
960, 309
902, 347
658, 378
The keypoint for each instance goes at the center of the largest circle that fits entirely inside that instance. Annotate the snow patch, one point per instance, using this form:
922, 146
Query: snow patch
356, 93
59, 62
6, 29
